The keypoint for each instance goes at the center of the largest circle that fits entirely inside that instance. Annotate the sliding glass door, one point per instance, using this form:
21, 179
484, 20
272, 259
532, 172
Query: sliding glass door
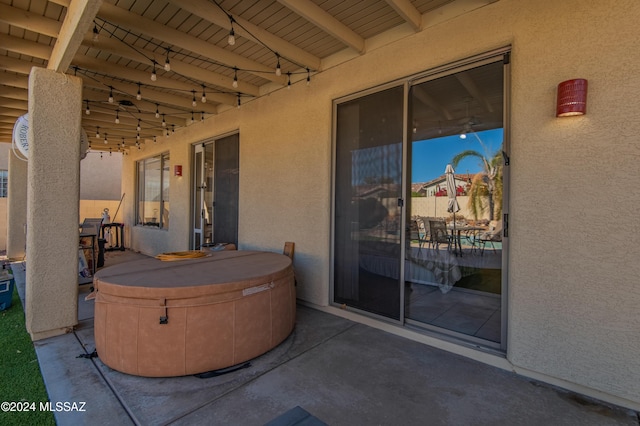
368, 202
420, 217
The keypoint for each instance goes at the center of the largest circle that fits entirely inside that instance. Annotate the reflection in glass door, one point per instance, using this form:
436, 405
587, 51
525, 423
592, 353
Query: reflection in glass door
419, 221
215, 211
368, 203
453, 279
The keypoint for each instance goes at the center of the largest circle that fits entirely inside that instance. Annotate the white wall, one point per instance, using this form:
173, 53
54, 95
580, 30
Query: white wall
100, 177
573, 262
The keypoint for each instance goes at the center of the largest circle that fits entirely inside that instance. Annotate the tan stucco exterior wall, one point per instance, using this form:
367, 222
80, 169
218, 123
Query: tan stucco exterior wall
573, 271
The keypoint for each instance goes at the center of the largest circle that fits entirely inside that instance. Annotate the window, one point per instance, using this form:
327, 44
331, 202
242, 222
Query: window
153, 191
4, 183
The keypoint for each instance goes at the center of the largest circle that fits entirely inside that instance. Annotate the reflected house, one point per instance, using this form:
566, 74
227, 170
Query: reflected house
437, 187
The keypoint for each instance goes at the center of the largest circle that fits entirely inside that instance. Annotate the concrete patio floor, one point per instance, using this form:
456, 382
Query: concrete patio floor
339, 371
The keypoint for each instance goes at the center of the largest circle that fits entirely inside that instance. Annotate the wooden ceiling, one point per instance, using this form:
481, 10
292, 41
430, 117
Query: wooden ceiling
128, 39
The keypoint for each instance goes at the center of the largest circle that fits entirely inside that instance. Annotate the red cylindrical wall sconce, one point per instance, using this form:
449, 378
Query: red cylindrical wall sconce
572, 98
177, 170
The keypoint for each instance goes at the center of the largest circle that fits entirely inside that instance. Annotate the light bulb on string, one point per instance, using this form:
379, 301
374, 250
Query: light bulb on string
117, 117
191, 117
139, 95
238, 100
138, 127
138, 137
232, 34
87, 111
154, 139
95, 33
101, 155
235, 77
201, 115
194, 98
164, 123
167, 65
97, 132
278, 70
105, 138
204, 95
110, 151
308, 77
166, 135
123, 144
173, 128
157, 112
89, 147
154, 76
110, 94
289, 80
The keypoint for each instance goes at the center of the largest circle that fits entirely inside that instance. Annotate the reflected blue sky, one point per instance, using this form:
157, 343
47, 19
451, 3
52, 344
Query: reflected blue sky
430, 157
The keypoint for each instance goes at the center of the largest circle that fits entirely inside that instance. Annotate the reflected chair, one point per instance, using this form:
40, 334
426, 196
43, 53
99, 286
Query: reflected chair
422, 233
439, 234
491, 236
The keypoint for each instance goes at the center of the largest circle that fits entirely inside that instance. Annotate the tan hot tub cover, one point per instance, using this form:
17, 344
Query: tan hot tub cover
161, 319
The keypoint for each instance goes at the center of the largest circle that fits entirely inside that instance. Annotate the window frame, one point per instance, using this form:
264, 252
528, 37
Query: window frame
162, 184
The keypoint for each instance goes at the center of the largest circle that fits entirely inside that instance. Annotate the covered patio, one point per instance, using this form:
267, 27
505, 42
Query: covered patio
338, 371
257, 123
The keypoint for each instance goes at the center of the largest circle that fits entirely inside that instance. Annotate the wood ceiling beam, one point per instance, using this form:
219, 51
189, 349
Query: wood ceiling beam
7, 119
316, 15
408, 12
11, 112
170, 36
77, 21
15, 65
113, 45
208, 11
13, 103
29, 21
14, 93
118, 71
25, 47
14, 80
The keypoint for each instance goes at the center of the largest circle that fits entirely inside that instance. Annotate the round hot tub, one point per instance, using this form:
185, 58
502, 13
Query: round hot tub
161, 319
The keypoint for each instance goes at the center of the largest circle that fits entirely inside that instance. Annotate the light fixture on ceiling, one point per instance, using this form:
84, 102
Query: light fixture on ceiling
139, 94
278, 69
95, 33
204, 95
154, 76
167, 65
572, 98
235, 77
232, 34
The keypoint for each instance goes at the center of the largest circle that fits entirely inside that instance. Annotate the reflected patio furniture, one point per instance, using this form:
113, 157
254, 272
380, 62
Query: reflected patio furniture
491, 236
438, 234
422, 233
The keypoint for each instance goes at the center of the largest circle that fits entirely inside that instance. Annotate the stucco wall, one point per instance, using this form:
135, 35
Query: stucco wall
573, 269
100, 177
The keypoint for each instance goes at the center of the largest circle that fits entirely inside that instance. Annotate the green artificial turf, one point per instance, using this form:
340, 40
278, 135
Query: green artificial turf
487, 280
20, 377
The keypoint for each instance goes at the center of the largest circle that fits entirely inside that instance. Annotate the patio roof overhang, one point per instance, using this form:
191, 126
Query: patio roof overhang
115, 48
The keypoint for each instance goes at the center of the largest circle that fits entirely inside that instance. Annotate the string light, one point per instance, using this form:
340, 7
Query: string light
95, 32
157, 111
308, 77
97, 132
154, 139
154, 76
123, 144
110, 94
201, 115
117, 118
238, 100
166, 135
232, 35
173, 128
204, 95
139, 95
87, 111
235, 77
164, 123
110, 151
138, 137
101, 155
138, 127
278, 70
89, 148
167, 65
191, 117
105, 138
289, 80
194, 98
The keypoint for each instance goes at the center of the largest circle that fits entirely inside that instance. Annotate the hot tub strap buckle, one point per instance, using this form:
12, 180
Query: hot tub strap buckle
164, 319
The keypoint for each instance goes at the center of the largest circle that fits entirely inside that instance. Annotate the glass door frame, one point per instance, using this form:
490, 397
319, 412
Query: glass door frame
198, 198
448, 69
